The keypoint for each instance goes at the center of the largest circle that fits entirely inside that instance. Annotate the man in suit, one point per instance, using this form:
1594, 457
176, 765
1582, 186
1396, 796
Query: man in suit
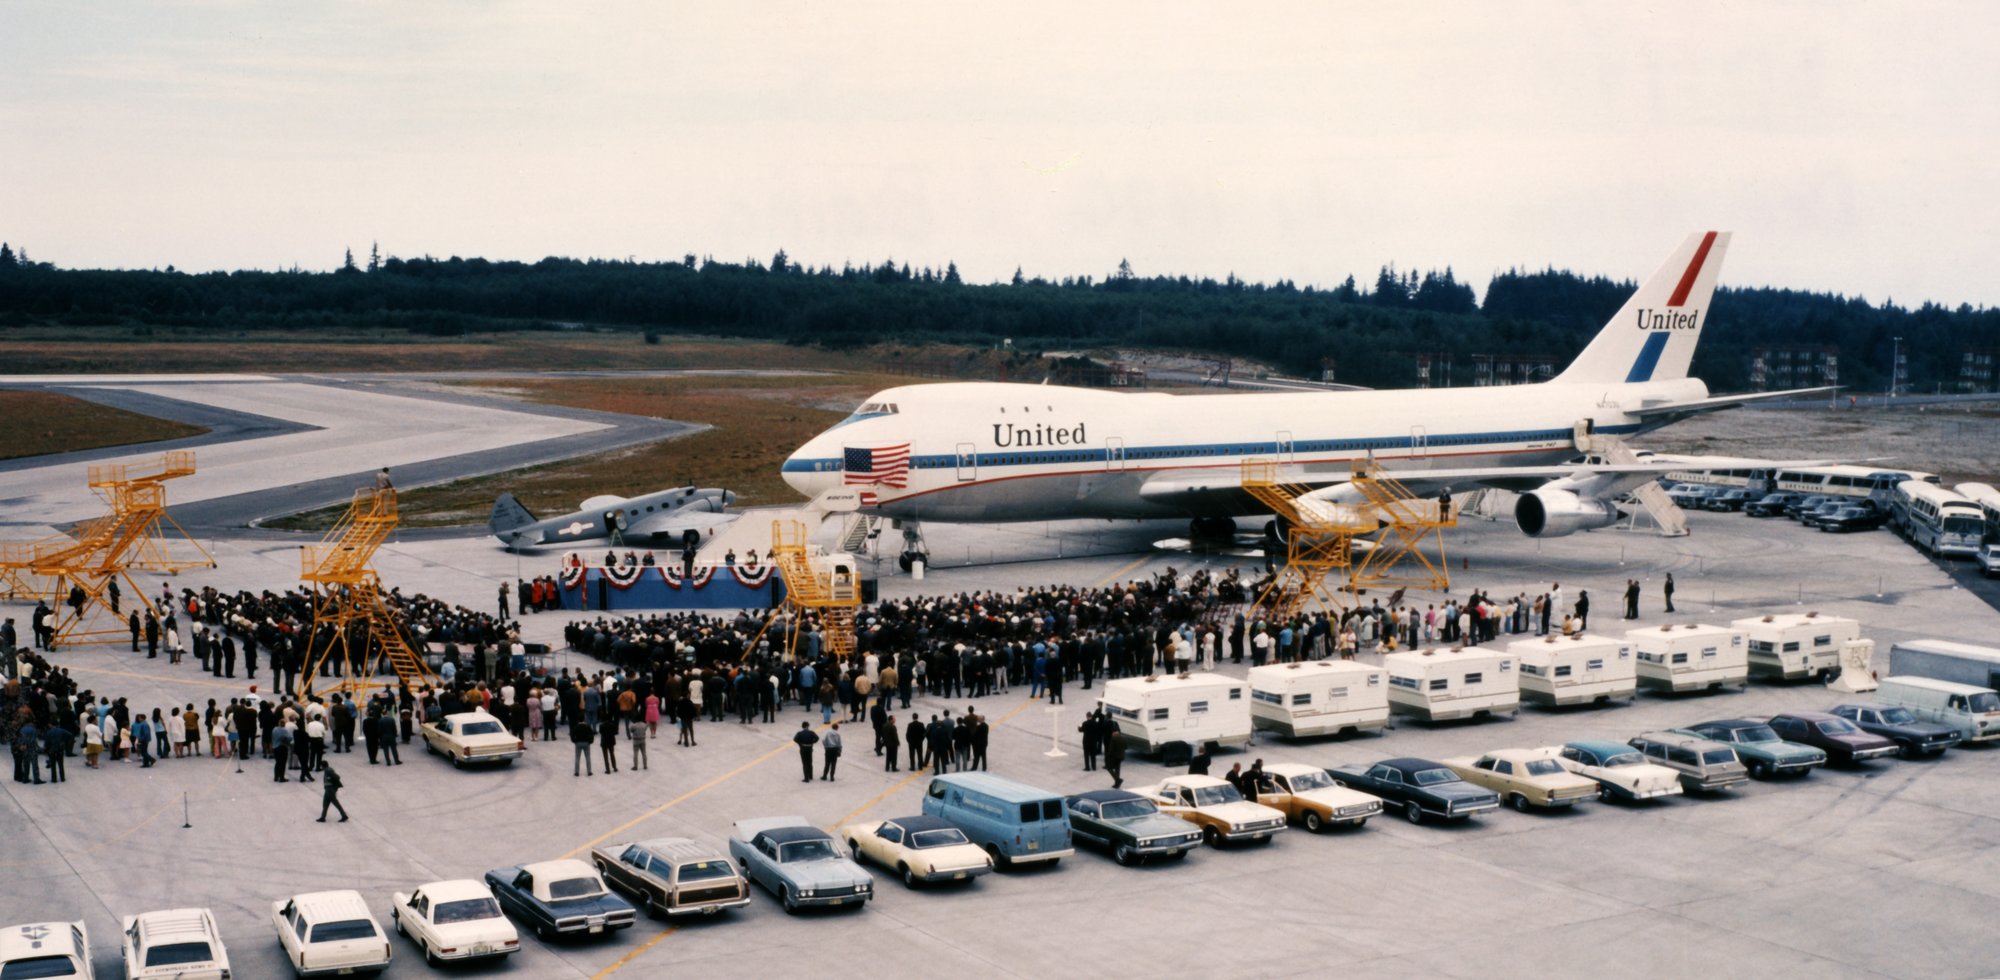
806, 738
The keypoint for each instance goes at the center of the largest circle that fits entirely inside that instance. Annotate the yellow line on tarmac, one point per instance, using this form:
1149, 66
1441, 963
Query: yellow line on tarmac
919, 774
1135, 563
633, 955
241, 688
676, 801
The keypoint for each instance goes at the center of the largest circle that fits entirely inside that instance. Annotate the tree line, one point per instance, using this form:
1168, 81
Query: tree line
1370, 333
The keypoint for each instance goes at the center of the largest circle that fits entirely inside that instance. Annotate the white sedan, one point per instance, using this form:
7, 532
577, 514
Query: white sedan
454, 920
920, 849
1621, 773
472, 738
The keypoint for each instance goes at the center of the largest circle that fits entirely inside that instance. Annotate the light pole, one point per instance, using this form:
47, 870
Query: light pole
1896, 367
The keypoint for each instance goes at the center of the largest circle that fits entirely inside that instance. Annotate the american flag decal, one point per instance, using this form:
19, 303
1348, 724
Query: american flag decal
884, 466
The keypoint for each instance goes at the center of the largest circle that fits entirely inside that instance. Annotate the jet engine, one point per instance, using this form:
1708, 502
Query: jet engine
1553, 513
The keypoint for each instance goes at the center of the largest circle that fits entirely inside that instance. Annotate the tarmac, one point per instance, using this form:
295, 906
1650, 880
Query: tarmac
1882, 870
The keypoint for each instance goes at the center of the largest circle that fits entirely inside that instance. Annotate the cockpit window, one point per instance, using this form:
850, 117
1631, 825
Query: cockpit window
877, 408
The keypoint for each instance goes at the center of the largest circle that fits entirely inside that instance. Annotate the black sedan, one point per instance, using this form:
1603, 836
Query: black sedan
1898, 724
1853, 519
1728, 501
1422, 787
1797, 509
1770, 504
1836, 736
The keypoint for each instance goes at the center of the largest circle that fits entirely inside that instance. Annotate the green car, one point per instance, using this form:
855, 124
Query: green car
1761, 749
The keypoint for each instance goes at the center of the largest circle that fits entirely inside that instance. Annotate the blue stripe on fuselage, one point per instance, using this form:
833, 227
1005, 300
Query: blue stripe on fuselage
1649, 358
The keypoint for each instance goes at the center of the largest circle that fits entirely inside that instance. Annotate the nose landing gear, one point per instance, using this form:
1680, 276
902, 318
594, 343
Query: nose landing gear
914, 548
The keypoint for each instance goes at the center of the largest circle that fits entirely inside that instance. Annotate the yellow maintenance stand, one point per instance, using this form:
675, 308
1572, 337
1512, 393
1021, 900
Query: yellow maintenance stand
76, 571
352, 626
1319, 538
829, 586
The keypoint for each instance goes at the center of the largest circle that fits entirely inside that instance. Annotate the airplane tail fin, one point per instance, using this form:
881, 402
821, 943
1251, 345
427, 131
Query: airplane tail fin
508, 514
1654, 334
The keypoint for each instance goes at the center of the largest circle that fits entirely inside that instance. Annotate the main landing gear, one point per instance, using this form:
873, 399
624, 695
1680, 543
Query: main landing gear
914, 548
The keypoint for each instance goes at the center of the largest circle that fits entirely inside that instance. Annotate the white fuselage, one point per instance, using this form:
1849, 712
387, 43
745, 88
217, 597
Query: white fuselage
983, 452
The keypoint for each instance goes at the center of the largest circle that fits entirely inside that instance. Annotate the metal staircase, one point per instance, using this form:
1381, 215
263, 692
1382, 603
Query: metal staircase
1319, 538
860, 529
1672, 521
826, 585
354, 629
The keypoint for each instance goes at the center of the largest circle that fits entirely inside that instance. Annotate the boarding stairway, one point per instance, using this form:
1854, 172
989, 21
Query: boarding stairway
1318, 541
860, 529
816, 583
1652, 498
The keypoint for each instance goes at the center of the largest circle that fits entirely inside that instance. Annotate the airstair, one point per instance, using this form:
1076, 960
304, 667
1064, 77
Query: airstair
1652, 498
1320, 534
860, 530
826, 586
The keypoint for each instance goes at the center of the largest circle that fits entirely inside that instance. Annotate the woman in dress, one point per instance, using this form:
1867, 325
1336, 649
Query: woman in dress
652, 714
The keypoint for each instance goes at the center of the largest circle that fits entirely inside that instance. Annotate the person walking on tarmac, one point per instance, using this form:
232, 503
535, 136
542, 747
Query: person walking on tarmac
832, 745
806, 739
1093, 740
1114, 756
329, 795
1669, 590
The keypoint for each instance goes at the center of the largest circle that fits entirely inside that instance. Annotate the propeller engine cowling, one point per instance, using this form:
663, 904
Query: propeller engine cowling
1552, 513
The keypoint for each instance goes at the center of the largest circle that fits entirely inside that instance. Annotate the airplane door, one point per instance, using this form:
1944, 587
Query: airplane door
1285, 447
1114, 453
968, 463
1420, 442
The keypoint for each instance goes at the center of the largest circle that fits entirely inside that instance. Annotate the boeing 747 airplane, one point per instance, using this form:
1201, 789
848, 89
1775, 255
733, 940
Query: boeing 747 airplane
991, 452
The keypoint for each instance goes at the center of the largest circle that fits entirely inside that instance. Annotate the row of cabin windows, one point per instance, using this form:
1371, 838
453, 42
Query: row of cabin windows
1019, 459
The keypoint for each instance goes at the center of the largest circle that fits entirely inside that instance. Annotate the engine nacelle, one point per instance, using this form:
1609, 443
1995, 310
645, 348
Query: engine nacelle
1550, 513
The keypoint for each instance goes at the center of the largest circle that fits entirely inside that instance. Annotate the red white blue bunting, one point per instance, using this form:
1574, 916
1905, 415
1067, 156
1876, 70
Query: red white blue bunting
752, 576
624, 577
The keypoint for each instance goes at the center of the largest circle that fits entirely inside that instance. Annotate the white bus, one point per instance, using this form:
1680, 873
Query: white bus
1849, 481
1988, 500
1937, 520
1740, 471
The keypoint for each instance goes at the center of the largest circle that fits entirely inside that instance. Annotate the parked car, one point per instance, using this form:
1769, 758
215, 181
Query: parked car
1770, 504
1688, 495
1130, 826
454, 920
673, 876
1914, 736
798, 863
1836, 736
1824, 512
1620, 772
173, 944
1216, 807
564, 897
920, 849
45, 949
1762, 751
1864, 516
1703, 764
472, 738
1421, 787
330, 933
1527, 779
1728, 501
1310, 797
1803, 504
1989, 560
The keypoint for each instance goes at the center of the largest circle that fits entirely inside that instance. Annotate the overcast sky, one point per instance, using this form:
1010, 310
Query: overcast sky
1851, 146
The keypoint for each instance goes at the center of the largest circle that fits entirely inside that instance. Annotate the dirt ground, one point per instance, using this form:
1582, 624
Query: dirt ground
38, 422
1957, 442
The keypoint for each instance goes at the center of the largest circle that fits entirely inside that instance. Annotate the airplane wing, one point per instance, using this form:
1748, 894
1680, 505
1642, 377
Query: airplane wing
1722, 402
674, 523
1207, 487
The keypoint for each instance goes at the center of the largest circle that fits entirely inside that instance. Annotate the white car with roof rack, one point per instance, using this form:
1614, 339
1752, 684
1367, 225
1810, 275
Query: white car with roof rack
174, 944
45, 949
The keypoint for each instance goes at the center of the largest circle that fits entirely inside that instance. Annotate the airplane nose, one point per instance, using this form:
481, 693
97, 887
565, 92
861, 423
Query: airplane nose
799, 474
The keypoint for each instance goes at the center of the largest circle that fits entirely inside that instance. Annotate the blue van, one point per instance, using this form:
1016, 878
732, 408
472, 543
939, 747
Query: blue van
1016, 823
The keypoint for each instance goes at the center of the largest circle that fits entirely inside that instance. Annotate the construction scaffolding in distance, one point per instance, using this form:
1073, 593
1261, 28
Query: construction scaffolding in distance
353, 629
1320, 535
76, 572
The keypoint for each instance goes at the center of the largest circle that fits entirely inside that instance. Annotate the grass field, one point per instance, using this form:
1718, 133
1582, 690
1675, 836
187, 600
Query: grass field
756, 422
39, 422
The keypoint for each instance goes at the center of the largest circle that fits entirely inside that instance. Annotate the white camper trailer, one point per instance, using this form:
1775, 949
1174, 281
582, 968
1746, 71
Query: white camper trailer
1462, 682
1579, 669
1794, 646
1691, 657
1160, 710
1319, 697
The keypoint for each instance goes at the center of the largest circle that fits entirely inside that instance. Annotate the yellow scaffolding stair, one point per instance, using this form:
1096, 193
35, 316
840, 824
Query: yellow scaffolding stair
77, 571
1319, 539
830, 590
353, 627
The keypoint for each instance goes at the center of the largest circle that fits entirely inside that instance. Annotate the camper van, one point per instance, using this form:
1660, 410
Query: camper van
1462, 682
1794, 647
1945, 660
1580, 669
1157, 711
1691, 657
1319, 697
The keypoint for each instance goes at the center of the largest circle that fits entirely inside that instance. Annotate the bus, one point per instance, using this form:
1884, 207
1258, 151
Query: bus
1937, 520
1849, 481
1988, 500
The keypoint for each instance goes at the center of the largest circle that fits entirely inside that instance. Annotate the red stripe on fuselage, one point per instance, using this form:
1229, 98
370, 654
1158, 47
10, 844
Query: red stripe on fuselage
1694, 269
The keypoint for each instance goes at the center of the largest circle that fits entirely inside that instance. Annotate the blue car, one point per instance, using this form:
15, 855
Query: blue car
799, 863
565, 897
